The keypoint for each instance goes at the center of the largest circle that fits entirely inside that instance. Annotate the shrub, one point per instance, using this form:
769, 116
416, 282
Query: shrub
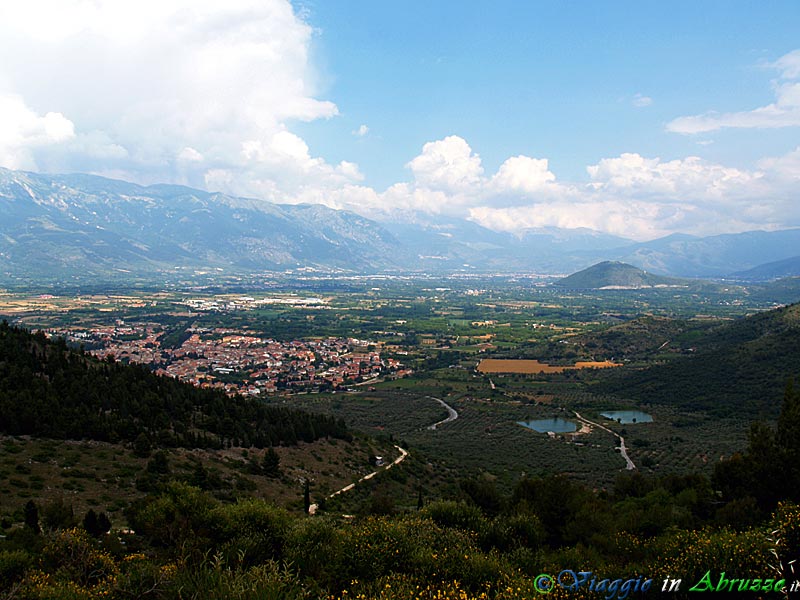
456, 514
13, 564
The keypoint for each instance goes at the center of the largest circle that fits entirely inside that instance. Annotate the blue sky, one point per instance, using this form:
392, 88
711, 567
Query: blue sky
554, 79
635, 118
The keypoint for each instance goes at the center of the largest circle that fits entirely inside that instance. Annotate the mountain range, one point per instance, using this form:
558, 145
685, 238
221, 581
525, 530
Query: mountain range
84, 226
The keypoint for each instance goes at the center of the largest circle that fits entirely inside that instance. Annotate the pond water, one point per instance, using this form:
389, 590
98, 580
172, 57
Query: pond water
628, 416
556, 425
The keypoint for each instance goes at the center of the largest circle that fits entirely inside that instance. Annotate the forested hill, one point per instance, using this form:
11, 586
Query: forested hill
611, 274
737, 368
49, 390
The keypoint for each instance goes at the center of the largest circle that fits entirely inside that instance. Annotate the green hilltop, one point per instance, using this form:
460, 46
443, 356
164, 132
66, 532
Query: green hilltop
613, 274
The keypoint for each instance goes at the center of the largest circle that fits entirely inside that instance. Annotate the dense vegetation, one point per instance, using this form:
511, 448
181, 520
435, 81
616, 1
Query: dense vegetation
49, 390
485, 545
737, 368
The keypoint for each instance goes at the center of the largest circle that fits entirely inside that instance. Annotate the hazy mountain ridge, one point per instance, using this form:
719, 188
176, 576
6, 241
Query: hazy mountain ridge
789, 267
62, 226
713, 256
90, 225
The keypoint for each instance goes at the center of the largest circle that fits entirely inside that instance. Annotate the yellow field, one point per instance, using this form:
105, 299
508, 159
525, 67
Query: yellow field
528, 367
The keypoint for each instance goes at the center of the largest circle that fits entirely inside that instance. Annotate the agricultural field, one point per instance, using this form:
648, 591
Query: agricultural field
531, 367
497, 351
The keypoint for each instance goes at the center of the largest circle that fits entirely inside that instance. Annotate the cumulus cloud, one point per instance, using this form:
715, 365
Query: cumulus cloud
361, 131
191, 91
670, 181
637, 220
640, 101
523, 174
789, 65
628, 195
23, 131
449, 179
785, 167
784, 112
448, 164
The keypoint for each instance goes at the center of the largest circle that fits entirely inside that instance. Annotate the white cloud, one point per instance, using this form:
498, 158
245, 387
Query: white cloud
640, 101
784, 112
643, 198
523, 174
637, 220
189, 155
789, 65
23, 131
690, 178
163, 90
785, 167
629, 195
448, 164
206, 93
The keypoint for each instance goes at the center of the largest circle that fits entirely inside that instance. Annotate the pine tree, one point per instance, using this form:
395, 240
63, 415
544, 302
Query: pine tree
271, 465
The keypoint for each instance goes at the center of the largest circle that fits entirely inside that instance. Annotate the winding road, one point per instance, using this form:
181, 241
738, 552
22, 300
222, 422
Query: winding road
452, 415
622, 449
312, 509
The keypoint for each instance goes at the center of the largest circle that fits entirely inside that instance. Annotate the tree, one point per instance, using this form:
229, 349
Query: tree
58, 514
103, 523
769, 470
788, 438
32, 516
158, 463
199, 476
141, 447
271, 464
90, 523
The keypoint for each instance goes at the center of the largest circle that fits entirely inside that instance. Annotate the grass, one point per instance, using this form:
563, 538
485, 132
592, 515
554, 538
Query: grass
107, 477
485, 439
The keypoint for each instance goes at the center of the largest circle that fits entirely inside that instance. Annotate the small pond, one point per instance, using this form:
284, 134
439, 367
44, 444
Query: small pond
556, 425
628, 416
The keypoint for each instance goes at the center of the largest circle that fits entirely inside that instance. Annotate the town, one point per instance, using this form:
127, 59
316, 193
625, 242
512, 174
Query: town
239, 361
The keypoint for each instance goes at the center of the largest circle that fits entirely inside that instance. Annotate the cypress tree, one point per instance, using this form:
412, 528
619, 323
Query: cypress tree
32, 517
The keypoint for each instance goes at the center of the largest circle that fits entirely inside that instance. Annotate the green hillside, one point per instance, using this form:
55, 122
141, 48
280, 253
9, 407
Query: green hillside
615, 275
49, 390
739, 367
783, 291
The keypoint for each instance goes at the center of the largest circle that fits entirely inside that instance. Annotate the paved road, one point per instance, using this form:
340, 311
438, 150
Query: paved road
403, 454
622, 449
452, 415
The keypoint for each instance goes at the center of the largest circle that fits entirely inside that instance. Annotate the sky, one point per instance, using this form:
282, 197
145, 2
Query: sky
639, 119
